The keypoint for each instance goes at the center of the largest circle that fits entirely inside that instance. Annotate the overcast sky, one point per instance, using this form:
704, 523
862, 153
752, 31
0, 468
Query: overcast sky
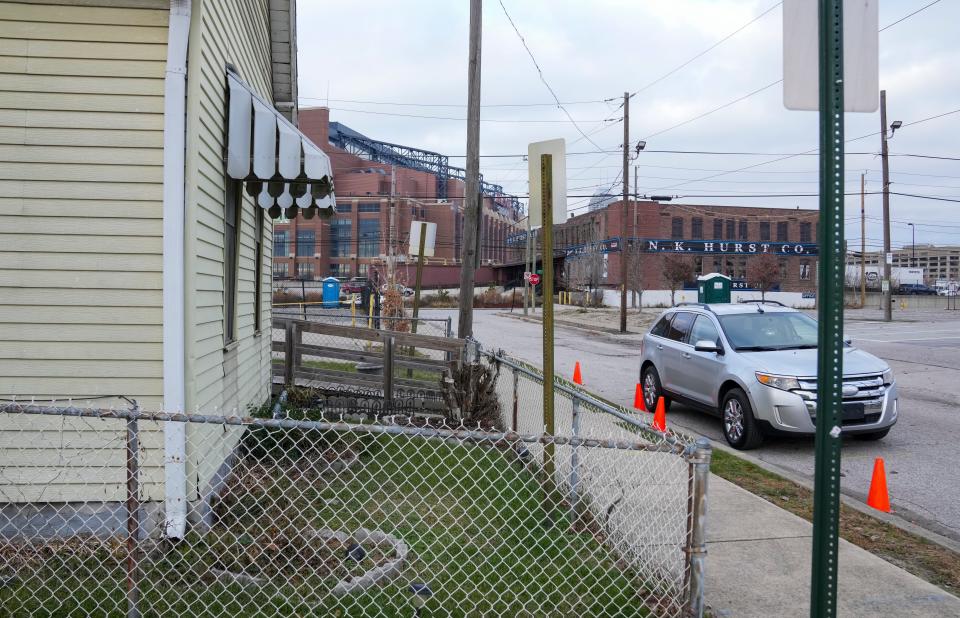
373, 61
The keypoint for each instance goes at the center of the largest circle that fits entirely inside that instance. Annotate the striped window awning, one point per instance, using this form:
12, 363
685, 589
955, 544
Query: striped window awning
280, 166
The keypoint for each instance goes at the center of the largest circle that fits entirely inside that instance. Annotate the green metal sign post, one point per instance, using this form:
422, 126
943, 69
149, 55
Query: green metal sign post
826, 495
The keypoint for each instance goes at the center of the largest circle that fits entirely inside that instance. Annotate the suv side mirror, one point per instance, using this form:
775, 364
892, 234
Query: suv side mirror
708, 346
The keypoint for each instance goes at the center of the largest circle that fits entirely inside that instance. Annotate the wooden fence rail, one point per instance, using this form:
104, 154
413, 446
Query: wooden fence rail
332, 355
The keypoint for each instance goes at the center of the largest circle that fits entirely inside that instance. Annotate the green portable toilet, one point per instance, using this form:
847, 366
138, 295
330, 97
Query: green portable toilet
713, 288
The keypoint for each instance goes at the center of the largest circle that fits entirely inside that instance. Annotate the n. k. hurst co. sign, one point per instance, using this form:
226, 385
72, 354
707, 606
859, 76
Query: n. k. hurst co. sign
726, 247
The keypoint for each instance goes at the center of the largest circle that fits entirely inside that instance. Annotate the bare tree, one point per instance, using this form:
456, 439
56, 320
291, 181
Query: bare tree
677, 269
764, 272
635, 277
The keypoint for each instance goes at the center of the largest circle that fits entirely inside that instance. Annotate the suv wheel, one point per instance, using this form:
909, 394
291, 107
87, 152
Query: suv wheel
739, 426
652, 389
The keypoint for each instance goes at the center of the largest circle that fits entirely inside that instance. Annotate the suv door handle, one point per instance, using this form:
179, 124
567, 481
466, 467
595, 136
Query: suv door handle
659, 346
685, 355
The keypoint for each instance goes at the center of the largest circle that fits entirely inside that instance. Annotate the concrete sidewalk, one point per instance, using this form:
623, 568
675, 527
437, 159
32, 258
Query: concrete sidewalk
758, 564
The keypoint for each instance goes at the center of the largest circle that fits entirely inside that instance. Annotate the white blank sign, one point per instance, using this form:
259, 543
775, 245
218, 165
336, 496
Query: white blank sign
429, 240
557, 148
801, 55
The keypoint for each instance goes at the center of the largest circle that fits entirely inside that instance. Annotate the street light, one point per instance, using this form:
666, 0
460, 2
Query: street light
913, 245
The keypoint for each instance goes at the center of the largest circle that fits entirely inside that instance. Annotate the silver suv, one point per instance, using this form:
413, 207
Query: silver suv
755, 365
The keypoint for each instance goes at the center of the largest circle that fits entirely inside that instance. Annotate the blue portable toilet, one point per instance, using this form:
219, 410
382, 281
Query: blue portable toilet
331, 293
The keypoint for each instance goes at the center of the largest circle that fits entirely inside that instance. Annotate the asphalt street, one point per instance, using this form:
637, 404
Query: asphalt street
921, 453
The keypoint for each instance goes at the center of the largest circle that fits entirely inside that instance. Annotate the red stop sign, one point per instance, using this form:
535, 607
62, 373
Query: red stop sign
534, 279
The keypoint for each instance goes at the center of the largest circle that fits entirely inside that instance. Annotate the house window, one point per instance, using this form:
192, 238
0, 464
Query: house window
281, 270
743, 230
783, 269
731, 229
363, 270
764, 230
741, 268
231, 223
369, 237
281, 243
341, 236
782, 232
677, 227
369, 207
258, 273
804, 270
305, 271
696, 228
728, 268
717, 230
306, 243
806, 231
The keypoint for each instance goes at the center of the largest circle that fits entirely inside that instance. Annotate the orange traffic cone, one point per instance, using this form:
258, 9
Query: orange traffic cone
878, 497
638, 401
577, 378
660, 416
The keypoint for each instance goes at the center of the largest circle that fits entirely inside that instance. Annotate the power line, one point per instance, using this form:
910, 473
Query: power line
704, 52
923, 8
543, 79
429, 117
714, 110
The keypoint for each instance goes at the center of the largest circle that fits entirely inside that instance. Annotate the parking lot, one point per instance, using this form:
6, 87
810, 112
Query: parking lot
920, 453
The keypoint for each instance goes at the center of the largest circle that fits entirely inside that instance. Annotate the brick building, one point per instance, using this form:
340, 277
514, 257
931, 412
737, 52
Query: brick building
356, 240
715, 238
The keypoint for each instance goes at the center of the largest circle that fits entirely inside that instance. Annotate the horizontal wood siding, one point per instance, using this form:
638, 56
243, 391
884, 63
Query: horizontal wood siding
222, 380
81, 152
81, 149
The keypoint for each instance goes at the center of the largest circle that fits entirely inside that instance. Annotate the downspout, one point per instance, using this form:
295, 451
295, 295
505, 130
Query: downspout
174, 323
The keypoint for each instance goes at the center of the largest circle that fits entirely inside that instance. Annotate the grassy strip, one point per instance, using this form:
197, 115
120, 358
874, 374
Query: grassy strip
914, 554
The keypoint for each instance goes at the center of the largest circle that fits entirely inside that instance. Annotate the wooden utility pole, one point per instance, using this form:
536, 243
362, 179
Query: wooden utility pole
624, 249
633, 233
471, 215
886, 283
863, 244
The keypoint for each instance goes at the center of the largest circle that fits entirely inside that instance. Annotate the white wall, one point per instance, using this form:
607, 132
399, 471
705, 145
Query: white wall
661, 298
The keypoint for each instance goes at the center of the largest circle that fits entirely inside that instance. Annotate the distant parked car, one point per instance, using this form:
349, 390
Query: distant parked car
404, 290
916, 289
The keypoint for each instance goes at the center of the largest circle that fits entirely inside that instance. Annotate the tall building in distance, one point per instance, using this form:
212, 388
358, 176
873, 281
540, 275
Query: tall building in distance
381, 189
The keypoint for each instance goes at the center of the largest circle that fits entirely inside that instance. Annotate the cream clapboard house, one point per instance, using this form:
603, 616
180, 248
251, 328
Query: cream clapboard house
135, 234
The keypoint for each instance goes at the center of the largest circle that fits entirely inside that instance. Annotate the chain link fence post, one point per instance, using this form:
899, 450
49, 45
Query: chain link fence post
696, 550
133, 514
387, 373
575, 463
516, 398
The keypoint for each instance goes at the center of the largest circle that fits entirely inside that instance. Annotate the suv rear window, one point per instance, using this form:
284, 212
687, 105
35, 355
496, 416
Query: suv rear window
680, 326
660, 328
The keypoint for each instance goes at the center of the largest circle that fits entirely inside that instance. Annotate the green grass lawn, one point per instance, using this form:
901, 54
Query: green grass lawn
479, 533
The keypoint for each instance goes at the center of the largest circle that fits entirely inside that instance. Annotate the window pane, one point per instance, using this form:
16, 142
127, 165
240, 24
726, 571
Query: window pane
231, 220
281, 270
345, 207
341, 235
731, 229
306, 243
704, 330
661, 327
677, 226
806, 232
369, 207
680, 326
717, 229
782, 234
764, 230
696, 230
743, 230
369, 230
281, 243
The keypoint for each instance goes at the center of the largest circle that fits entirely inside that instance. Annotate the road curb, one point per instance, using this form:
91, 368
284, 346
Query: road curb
895, 520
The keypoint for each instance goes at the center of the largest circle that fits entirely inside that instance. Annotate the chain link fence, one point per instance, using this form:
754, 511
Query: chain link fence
652, 506
327, 518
